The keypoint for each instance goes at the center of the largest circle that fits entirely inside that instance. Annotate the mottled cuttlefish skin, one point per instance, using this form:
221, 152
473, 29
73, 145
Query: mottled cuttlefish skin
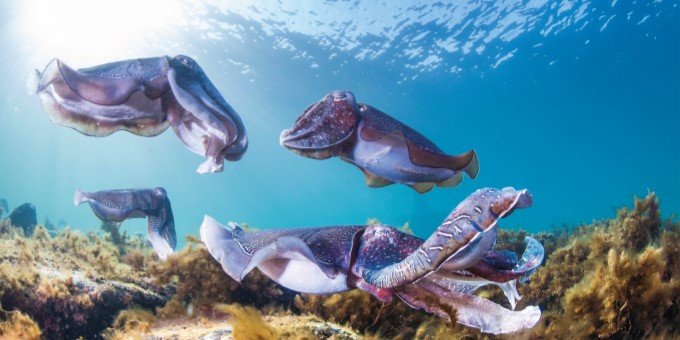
120, 205
144, 97
383, 148
435, 274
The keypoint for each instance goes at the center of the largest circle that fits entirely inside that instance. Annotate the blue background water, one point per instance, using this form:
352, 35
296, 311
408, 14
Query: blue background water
577, 101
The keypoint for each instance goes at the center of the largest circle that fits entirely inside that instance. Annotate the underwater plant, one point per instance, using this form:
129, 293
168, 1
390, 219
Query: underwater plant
196, 277
19, 326
613, 279
247, 323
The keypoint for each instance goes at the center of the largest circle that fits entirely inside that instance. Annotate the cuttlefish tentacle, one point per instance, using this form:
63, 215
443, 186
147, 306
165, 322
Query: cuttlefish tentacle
462, 240
119, 205
145, 97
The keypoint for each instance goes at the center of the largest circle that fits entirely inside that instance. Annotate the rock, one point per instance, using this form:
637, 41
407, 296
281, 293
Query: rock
84, 307
25, 217
220, 334
325, 330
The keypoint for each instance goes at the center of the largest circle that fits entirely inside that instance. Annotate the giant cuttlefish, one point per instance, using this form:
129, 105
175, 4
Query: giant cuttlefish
120, 205
436, 274
144, 97
385, 149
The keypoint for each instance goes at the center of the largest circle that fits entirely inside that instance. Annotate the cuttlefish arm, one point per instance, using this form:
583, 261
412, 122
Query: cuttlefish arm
119, 205
422, 152
144, 97
499, 268
443, 296
308, 260
465, 237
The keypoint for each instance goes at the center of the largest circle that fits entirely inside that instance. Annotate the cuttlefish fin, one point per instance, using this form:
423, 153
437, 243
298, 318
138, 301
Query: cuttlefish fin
375, 181
422, 152
466, 162
423, 187
453, 181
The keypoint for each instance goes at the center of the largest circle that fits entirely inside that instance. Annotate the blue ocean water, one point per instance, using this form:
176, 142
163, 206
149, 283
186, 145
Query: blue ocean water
578, 101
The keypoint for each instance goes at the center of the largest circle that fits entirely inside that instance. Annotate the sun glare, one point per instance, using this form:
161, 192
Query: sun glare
94, 31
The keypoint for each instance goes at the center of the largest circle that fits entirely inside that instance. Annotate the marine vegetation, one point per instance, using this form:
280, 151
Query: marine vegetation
614, 278
71, 285
386, 150
145, 97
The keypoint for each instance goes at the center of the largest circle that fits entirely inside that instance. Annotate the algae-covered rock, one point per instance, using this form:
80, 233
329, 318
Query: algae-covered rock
70, 285
25, 217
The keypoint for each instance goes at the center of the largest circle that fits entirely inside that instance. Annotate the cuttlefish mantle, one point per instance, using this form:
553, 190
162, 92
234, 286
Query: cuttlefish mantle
386, 150
144, 97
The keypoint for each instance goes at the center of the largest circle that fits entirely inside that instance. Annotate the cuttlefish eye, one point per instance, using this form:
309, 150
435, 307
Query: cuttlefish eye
186, 62
347, 96
159, 192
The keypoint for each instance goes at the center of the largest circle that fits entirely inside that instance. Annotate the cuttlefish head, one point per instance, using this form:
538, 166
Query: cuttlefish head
159, 196
202, 118
323, 127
